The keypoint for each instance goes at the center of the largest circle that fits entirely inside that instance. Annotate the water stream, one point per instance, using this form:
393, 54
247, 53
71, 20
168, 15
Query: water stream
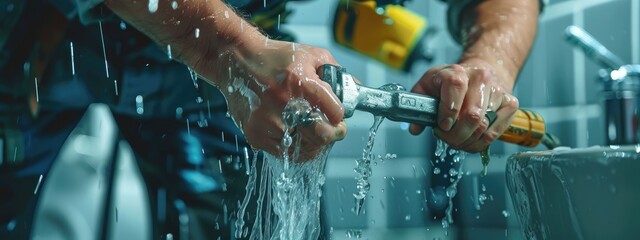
363, 167
442, 149
289, 190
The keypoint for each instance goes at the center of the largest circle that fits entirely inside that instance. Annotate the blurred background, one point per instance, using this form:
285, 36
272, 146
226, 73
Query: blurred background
557, 81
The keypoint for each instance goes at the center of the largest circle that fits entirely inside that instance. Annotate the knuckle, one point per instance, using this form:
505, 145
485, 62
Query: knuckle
324, 139
489, 137
474, 118
513, 103
457, 82
480, 130
323, 53
457, 67
485, 75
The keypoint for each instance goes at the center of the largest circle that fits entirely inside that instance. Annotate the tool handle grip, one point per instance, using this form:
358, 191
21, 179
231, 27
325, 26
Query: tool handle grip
526, 129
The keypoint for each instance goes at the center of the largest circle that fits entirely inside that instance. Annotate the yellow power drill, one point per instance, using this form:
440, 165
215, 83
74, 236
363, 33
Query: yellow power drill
381, 29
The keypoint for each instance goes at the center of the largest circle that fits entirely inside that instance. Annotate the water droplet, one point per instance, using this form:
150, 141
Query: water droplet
407, 218
169, 52
179, 113
174, 5
104, 52
286, 141
36, 89
226, 14
451, 191
153, 6
354, 233
73, 64
482, 198
436, 170
35, 191
139, 104
11, 225
197, 32
505, 213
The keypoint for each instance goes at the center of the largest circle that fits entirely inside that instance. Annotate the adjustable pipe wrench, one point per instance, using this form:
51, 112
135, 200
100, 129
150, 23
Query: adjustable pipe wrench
395, 103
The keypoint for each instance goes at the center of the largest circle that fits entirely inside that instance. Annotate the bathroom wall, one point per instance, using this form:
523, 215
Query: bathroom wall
557, 81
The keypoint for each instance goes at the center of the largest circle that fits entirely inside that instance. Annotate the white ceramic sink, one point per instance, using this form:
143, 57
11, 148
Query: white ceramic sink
589, 193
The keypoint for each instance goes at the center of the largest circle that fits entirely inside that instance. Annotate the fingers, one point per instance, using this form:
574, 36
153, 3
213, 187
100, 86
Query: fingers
504, 116
312, 144
429, 84
453, 92
472, 121
449, 83
291, 74
319, 94
465, 95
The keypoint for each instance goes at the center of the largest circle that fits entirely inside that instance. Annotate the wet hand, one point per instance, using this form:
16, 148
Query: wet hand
263, 78
466, 91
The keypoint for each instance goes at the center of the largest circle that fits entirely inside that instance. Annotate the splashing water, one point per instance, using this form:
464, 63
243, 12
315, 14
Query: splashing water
104, 51
153, 6
35, 80
194, 77
288, 201
363, 166
73, 65
139, 104
115, 86
37, 185
454, 175
278, 21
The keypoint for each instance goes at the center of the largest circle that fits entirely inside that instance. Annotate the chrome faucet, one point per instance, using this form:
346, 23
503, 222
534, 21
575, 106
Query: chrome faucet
621, 88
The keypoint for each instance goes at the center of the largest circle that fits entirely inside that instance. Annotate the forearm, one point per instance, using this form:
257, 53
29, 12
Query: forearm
197, 31
500, 33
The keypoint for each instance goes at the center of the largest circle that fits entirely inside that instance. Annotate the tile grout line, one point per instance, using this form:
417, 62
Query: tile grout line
557, 10
635, 32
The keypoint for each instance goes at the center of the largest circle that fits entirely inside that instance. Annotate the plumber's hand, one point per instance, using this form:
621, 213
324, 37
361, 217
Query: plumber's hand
263, 75
466, 91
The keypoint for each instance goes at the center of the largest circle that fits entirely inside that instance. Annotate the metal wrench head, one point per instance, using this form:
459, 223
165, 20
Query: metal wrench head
391, 101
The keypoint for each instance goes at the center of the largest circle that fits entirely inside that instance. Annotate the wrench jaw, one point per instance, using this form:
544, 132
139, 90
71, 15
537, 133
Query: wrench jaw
410, 108
390, 101
350, 93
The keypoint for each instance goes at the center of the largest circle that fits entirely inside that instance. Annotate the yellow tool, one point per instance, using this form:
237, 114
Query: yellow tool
388, 33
